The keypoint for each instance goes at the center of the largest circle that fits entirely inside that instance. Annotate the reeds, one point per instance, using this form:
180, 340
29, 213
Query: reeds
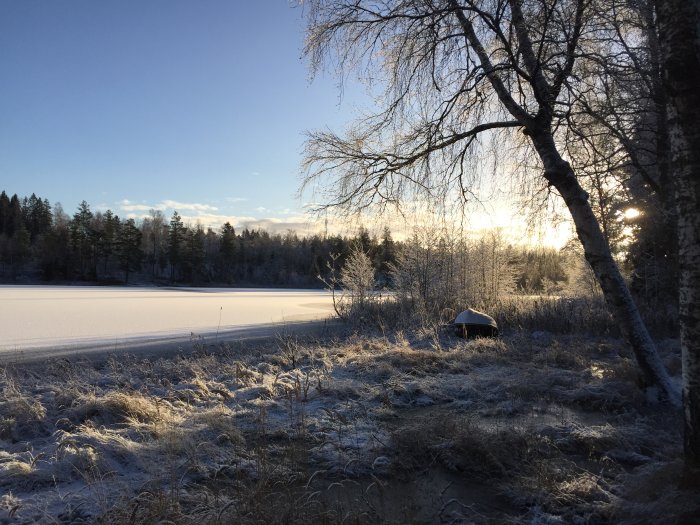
536, 426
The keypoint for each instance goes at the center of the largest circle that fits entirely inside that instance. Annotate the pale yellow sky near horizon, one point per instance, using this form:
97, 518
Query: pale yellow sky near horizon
516, 228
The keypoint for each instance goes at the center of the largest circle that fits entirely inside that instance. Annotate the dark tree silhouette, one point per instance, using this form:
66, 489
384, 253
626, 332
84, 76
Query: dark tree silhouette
129, 249
176, 242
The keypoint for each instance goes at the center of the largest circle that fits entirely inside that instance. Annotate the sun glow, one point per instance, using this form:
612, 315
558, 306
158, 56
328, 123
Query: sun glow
632, 213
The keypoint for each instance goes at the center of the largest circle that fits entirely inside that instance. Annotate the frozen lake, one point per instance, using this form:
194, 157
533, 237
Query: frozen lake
33, 317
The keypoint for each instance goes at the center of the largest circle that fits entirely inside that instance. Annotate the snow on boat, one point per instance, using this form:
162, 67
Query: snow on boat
471, 323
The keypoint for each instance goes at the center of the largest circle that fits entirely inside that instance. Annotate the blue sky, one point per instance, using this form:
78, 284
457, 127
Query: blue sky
199, 105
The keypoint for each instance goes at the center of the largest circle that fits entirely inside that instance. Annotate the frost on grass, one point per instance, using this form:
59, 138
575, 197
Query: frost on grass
394, 429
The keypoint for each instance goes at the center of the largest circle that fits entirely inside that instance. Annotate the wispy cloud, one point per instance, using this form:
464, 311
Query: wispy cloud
129, 206
193, 206
236, 199
215, 220
301, 224
206, 220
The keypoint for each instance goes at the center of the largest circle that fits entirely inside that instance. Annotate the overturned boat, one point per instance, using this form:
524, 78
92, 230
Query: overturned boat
471, 323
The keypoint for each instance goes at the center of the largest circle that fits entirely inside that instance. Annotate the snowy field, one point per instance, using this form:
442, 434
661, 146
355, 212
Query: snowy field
526, 429
33, 317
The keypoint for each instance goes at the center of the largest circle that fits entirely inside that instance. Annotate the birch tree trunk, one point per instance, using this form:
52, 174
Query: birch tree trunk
559, 174
679, 22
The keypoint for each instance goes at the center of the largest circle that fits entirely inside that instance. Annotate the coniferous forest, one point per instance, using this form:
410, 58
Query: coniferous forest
40, 242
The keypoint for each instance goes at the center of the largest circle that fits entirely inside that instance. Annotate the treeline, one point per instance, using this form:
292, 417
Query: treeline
41, 242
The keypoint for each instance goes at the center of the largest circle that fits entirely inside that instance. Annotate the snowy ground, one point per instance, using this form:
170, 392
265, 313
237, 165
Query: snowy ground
33, 317
531, 428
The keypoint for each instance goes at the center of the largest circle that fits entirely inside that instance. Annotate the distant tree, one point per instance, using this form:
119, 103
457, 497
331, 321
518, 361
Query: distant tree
317, 248
538, 265
128, 248
14, 218
386, 254
176, 241
366, 242
194, 254
107, 239
4, 212
19, 249
4, 238
211, 251
37, 215
56, 256
83, 239
155, 238
227, 250
339, 246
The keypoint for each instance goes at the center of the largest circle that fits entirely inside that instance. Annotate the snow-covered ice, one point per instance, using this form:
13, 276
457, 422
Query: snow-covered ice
44, 316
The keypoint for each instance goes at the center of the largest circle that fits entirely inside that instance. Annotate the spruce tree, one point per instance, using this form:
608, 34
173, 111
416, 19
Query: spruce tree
176, 236
129, 249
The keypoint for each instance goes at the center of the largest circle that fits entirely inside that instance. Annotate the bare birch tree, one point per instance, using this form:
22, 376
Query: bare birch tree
457, 71
357, 276
679, 21
441, 270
